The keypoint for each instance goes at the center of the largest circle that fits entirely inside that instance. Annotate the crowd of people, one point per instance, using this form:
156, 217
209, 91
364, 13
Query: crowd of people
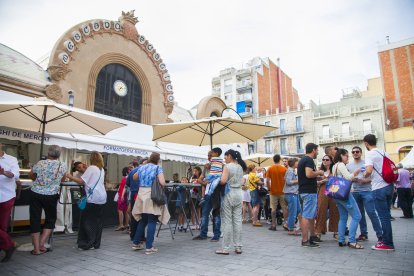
227, 192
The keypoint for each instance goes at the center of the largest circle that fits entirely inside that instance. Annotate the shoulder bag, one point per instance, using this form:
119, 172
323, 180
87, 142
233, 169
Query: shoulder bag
338, 187
84, 200
157, 192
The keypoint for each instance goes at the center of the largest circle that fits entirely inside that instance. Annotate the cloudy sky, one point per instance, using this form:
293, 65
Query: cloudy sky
324, 46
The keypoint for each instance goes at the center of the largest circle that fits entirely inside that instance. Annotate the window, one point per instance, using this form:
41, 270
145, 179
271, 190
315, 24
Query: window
282, 126
367, 126
403, 152
325, 131
283, 146
251, 149
228, 98
268, 146
228, 85
299, 144
299, 126
118, 93
345, 129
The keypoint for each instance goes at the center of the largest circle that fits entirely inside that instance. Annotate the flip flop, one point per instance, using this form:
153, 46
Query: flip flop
37, 254
222, 252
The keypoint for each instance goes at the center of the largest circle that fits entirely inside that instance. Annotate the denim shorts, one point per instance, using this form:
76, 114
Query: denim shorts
310, 202
255, 199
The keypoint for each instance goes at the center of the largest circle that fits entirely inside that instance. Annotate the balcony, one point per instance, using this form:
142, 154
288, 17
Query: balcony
328, 139
284, 132
215, 80
247, 113
243, 73
216, 91
227, 71
354, 136
246, 97
367, 108
242, 86
333, 113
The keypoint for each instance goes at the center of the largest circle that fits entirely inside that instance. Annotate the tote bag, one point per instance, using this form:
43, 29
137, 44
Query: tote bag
338, 187
157, 192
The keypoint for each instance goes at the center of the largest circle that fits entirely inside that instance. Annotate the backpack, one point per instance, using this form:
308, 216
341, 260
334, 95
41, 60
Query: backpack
389, 170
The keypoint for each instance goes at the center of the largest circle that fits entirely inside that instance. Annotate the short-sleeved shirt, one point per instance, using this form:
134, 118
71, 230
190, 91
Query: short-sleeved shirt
147, 174
276, 173
306, 185
375, 158
252, 181
49, 174
131, 183
403, 180
8, 185
95, 176
358, 187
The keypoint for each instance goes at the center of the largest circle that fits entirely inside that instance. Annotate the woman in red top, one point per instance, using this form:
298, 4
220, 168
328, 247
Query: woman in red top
123, 216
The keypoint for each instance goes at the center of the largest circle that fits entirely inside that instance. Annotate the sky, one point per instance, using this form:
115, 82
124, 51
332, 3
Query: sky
324, 46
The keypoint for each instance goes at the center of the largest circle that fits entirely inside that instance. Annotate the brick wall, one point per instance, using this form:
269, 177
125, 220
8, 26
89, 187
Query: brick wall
397, 66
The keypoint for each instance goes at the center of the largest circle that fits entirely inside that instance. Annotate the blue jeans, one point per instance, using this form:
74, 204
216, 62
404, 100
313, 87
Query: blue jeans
383, 198
365, 201
345, 208
149, 221
294, 209
205, 215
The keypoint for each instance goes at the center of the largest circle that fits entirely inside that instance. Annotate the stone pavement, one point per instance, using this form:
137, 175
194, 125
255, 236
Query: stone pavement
264, 253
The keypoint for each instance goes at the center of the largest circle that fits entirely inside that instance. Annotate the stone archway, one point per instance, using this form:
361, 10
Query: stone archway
210, 105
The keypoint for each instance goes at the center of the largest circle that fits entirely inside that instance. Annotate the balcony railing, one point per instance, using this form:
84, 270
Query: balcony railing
345, 137
367, 108
247, 113
240, 86
333, 113
284, 132
243, 72
216, 80
245, 97
216, 91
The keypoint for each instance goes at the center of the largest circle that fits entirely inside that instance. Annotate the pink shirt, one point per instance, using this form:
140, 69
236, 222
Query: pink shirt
403, 180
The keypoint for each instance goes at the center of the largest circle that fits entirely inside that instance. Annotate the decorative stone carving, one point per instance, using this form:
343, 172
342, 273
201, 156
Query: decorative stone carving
58, 72
209, 105
54, 92
168, 107
129, 16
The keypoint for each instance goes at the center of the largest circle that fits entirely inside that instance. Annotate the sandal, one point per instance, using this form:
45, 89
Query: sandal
294, 233
120, 228
238, 251
336, 236
37, 254
222, 252
355, 245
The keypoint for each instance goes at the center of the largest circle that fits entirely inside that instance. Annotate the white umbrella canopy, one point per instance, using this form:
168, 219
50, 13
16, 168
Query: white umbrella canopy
209, 131
46, 115
259, 159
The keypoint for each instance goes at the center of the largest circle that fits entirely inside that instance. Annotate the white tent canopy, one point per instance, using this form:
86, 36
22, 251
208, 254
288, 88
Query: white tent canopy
408, 161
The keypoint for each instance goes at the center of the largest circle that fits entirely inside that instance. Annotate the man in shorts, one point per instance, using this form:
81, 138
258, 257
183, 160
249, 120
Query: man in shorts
275, 181
307, 177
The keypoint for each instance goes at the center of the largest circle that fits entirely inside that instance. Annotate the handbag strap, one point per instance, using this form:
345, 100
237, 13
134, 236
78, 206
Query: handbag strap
100, 173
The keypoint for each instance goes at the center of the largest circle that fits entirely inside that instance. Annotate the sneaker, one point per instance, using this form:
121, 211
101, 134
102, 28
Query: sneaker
271, 228
362, 238
257, 224
382, 247
139, 246
214, 239
315, 239
310, 244
151, 251
268, 222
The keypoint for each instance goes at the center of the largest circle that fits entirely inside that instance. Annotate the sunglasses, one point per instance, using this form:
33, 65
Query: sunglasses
326, 159
355, 151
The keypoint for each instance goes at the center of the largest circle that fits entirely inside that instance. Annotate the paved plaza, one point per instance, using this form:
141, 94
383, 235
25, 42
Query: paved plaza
264, 253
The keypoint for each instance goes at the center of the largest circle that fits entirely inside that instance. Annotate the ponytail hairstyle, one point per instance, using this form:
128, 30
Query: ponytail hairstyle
236, 156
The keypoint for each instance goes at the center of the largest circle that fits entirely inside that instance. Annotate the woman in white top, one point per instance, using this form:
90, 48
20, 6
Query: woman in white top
346, 207
91, 218
247, 207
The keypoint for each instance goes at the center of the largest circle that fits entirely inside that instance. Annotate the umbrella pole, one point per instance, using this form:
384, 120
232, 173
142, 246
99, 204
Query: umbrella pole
43, 131
211, 135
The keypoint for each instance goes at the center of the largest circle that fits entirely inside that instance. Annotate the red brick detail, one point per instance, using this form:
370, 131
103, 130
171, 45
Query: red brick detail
392, 115
405, 87
387, 77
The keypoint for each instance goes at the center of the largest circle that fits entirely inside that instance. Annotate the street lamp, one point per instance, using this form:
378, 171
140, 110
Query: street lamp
71, 95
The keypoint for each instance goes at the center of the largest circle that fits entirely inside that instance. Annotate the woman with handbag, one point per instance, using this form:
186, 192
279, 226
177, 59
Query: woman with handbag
326, 203
147, 211
46, 175
91, 217
346, 207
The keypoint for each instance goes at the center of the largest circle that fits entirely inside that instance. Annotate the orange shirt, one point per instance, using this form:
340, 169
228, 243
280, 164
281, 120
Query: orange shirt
276, 173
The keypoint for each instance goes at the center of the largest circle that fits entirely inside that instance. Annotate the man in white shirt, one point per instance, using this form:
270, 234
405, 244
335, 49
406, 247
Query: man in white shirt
382, 191
9, 173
